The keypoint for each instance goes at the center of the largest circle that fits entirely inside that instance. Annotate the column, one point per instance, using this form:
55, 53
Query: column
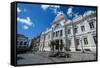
73, 38
66, 44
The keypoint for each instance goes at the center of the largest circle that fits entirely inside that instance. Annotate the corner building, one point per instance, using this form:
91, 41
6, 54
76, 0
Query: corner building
78, 34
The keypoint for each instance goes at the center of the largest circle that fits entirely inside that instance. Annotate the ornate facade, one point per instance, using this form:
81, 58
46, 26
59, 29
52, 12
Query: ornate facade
78, 34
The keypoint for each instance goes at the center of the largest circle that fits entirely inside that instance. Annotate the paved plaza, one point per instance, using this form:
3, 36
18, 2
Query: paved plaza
42, 57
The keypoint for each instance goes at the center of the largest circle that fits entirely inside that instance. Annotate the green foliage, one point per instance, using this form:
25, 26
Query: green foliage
31, 47
52, 44
55, 43
61, 46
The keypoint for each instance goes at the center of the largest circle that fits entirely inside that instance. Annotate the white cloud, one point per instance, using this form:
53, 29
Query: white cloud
26, 21
21, 10
18, 10
59, 13
25, 10
69, 12
44, 7
26, 27
55, 11
76, 14
54, 8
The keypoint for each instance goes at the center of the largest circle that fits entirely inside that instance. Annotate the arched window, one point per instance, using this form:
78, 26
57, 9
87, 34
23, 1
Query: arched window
25, 43
21, 42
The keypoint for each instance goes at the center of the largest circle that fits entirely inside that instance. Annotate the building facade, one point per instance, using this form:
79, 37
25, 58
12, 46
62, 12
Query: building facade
35, 43
22, 44
78, 34
22, 41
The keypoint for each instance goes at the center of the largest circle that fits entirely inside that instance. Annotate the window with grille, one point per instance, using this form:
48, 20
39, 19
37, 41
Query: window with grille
85, 41
69, 31
69, 42
75, 30
82, 28
77, 41
95, 39
91, 24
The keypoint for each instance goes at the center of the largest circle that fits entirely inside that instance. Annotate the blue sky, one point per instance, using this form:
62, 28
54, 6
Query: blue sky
32, 19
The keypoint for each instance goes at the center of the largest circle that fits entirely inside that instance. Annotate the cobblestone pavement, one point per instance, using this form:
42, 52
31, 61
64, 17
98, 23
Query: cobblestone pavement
42, 57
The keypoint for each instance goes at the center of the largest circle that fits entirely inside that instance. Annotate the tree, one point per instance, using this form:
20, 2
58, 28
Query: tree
57, 44
61, 46
52, 44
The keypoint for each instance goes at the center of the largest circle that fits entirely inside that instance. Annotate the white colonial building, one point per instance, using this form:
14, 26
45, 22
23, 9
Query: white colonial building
78, 34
